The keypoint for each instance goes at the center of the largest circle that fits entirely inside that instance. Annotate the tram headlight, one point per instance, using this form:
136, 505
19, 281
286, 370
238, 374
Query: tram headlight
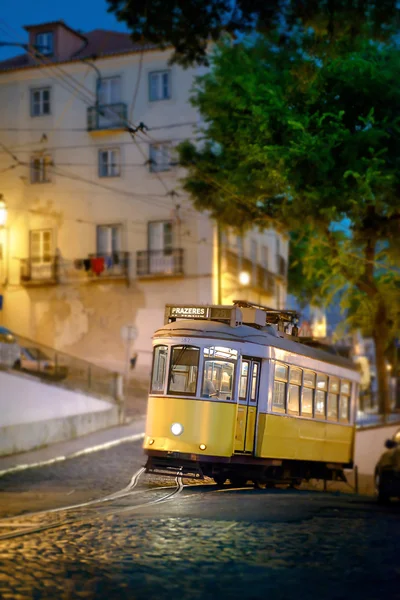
176, 428
202, 446
151, 442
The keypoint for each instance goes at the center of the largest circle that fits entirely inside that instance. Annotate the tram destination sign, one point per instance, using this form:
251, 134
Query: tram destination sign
188, 312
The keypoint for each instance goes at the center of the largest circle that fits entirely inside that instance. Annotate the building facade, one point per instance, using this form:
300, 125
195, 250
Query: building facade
99, 233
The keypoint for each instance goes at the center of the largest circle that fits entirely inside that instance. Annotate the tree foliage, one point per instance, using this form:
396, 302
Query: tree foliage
311, 144
189, 25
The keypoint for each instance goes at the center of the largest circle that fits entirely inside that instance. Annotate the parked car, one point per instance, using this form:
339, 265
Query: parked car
387, 471
36, 361
10, 350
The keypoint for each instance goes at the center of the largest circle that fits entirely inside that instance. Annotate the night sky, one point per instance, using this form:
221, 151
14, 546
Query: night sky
78, 14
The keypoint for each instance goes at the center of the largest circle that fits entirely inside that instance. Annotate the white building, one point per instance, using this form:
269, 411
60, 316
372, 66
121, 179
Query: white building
99, 232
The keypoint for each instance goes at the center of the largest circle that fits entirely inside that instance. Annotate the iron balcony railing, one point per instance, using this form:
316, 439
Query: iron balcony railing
113, 265
164, 263
260, 278
107, 116
40, 270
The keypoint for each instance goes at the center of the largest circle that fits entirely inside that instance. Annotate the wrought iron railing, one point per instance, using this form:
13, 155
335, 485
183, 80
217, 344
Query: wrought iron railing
107, 116
40, 270
113, 265
260, 277
159, 262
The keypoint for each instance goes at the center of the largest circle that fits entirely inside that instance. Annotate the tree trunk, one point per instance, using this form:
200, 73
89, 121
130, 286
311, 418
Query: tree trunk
381, 339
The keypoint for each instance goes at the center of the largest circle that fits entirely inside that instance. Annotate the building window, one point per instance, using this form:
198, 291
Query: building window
159, 85
109, 90
108, 239
109, 162
40, 169
41, 244
160, 157
44, 43
160, 236
40, 102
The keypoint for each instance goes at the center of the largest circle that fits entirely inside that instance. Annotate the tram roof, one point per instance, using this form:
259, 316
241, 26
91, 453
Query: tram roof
266, 336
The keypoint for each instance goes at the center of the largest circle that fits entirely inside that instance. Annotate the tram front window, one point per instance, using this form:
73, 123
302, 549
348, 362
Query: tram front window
217, 379
183, 370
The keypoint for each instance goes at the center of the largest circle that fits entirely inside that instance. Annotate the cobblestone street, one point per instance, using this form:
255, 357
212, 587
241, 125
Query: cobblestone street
205, 543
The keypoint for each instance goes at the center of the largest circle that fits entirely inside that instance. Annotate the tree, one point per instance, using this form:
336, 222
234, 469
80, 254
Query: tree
310, 144
189, 25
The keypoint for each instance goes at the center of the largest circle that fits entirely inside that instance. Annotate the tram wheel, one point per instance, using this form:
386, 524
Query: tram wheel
219, 480
238, 481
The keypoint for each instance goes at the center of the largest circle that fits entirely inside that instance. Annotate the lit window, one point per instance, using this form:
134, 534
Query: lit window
218, 378
40, 102
254, 381
281, 372
307, 402
320, 399
294, 399
40, 169
333, 407
183, 370
243, 380
44, 43
159, 85
109, 162
279, 397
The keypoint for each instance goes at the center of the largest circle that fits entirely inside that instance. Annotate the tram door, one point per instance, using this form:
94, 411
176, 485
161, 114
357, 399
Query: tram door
247, 405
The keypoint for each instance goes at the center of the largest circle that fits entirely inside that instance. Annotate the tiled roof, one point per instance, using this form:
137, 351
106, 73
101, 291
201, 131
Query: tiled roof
98, 43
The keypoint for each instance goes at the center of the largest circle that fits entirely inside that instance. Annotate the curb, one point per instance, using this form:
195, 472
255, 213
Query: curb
105, 446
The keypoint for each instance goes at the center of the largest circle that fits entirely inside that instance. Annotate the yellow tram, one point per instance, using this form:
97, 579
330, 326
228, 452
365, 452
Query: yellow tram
234, 395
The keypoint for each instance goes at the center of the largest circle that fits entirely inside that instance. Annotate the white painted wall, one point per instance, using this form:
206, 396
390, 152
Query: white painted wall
24, 399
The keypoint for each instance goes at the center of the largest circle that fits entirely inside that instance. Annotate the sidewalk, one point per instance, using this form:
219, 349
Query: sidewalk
99, 440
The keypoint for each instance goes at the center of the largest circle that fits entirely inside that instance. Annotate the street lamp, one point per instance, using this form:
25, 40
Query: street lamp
3, 211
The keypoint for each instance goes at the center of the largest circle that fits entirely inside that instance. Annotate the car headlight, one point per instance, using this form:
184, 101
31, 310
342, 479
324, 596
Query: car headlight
176, 428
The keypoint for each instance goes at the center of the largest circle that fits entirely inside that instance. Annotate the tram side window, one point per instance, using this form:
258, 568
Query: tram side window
307, 395
159, 368
320, 396
254, 379
279, 393
184, 370
294, 391
243, 380
344, 406
333, 399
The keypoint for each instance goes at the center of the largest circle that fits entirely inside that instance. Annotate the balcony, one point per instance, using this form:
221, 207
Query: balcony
260, 278
39, 271
159, 263
105, 267
107, 117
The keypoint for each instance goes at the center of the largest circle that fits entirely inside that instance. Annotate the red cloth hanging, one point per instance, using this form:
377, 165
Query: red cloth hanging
97, 265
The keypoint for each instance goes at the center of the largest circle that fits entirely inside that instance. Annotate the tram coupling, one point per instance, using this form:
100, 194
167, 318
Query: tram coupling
184, 468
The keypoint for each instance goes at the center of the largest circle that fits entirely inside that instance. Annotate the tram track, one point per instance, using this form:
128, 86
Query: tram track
39, 521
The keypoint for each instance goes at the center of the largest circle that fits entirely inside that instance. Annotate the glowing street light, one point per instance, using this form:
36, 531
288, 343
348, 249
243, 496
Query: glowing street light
244, 278
3, 211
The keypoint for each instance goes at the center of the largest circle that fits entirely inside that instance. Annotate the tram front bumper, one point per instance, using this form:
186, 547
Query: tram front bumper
174, 464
